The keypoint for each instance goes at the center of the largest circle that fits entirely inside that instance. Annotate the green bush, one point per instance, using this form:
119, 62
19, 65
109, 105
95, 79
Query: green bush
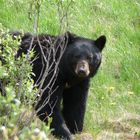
17, 92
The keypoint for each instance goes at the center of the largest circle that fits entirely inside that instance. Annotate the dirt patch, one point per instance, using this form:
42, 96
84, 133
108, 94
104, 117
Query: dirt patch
125, 128
108, 135
86, 136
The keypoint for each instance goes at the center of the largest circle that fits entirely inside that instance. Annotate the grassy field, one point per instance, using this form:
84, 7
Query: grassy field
114, 97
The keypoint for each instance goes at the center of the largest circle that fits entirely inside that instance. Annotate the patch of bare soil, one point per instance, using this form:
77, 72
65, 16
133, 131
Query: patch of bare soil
125, 128
84, 136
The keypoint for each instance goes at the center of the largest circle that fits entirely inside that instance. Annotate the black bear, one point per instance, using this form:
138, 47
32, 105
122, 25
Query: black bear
63, 98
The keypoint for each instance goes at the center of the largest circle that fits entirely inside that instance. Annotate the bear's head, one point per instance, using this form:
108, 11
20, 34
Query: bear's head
83, 56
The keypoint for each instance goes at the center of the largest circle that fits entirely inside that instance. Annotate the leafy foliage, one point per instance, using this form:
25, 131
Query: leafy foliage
17, 91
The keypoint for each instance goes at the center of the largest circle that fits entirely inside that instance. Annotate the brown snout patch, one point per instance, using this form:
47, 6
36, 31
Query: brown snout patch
82, 68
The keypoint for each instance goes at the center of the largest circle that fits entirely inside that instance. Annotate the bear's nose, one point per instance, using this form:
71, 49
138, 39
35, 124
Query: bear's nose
82, 72
82, 69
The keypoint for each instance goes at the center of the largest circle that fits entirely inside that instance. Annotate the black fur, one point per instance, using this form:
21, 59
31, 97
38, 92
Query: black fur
69, 88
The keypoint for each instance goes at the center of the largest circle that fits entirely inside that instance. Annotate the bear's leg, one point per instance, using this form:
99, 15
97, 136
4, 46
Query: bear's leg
74, 105
52, 109
59, 127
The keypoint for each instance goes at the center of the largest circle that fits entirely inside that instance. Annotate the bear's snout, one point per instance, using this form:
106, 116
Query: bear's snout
82, 69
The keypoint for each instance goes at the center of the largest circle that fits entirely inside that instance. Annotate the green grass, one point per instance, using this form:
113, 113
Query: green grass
115, 91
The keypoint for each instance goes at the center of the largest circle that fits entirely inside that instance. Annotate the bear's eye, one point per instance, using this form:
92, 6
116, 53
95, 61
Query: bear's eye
89, 57
77, 56
94, 57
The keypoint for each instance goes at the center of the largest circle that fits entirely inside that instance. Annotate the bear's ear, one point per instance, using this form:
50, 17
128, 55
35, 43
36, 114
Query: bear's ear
70, 36
100, 42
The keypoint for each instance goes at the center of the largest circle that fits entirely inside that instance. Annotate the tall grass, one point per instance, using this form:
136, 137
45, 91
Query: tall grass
115, 90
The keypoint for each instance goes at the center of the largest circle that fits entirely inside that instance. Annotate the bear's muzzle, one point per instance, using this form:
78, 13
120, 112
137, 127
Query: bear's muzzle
82, 69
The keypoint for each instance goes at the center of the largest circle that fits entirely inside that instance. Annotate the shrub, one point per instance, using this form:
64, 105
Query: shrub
17, 92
